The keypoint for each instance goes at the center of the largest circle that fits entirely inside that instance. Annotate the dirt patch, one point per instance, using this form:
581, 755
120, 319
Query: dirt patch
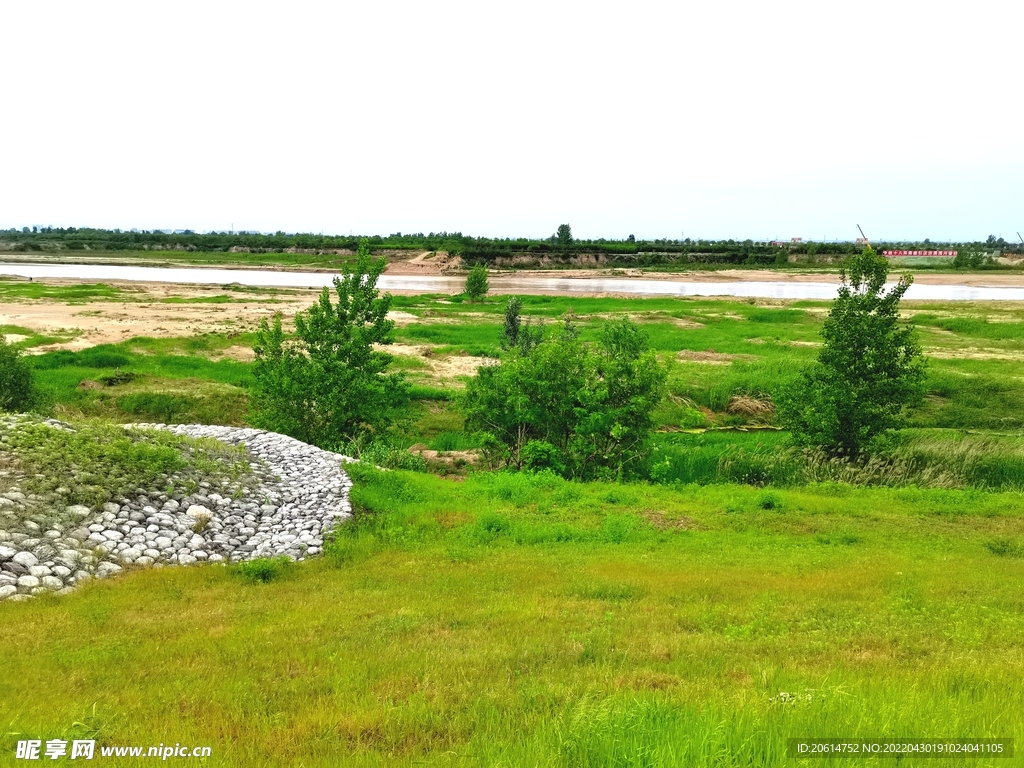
805, 343
238, 352
449, 457
441, 369
975, 353
435, 318
711, 357
724, 315
423, 263
644, 317
402, 318
14, 338
111, 322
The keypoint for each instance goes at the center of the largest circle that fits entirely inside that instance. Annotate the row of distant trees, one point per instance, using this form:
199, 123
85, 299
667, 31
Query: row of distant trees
560, 245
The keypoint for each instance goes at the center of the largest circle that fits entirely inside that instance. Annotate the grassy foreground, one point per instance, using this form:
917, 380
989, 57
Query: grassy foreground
516, 620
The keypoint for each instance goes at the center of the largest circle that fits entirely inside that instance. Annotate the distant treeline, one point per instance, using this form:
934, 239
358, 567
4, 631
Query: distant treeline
561, 247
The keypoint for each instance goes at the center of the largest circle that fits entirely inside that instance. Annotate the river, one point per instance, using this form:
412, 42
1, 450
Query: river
502, 285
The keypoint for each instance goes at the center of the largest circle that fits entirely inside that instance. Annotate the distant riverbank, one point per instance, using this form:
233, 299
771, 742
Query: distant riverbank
933, 287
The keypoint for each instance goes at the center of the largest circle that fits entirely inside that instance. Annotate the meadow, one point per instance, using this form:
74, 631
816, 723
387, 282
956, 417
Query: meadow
744, 595
514, 620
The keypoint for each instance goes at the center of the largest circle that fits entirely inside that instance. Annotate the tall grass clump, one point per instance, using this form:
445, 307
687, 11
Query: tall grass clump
916, 458
264, 569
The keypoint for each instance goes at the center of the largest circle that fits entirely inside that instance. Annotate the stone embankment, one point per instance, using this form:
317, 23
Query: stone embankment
294, 495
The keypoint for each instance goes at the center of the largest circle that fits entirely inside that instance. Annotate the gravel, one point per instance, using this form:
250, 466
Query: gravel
295, 494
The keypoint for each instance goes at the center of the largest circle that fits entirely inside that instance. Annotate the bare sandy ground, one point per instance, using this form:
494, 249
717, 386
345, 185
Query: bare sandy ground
105, 322
425, 263
111, 322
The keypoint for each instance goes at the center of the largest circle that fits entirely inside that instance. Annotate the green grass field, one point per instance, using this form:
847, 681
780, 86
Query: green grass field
747, 596
512, 620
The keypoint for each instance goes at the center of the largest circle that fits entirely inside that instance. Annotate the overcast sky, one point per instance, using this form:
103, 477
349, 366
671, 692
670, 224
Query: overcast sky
713, 119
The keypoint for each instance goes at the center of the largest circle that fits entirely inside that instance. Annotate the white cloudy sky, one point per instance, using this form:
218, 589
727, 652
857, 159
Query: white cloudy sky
713, 119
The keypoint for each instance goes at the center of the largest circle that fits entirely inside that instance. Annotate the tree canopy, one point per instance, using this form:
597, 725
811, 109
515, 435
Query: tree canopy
870, 368
578, 409
328, 383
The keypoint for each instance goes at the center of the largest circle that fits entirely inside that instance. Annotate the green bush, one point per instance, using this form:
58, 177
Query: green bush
969, 259
17, 386
264, 569
477, 284
581, 410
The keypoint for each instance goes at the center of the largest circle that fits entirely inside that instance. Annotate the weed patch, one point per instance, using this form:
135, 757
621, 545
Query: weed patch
263, 570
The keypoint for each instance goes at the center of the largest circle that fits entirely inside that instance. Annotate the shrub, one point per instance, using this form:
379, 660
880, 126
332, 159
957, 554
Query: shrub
965, 259
17, 387
580, 410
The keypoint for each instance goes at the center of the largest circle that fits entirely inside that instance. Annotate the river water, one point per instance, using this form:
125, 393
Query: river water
502, 285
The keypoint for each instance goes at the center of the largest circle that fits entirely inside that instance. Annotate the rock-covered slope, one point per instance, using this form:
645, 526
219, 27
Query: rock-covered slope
291, 498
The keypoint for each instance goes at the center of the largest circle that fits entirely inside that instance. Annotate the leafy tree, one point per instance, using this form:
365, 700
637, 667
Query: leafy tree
564, 235
581, 410
328, 384
870, 368
17, 388
477, 284
516, 333
510, 333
